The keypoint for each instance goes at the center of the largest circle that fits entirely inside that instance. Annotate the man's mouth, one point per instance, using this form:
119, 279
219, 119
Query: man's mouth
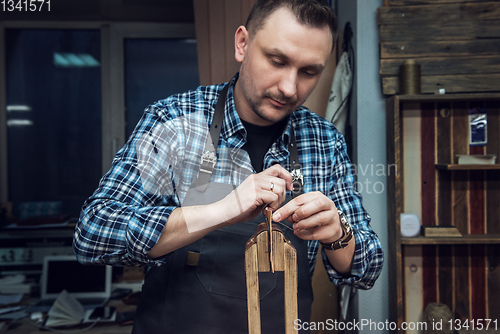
278, 103
281, 101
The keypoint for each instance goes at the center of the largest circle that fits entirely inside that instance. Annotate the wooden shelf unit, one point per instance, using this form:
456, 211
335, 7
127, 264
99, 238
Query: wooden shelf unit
425, 133
467, 167
469, 239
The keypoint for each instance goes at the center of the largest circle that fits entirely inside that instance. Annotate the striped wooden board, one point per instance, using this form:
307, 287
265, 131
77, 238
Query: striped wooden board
456, 43
412, 145
216, 22
464, 276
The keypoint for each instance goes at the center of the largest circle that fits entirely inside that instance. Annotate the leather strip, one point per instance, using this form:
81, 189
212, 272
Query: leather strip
209, 157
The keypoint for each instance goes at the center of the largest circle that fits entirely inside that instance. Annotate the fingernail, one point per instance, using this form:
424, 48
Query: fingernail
277, 216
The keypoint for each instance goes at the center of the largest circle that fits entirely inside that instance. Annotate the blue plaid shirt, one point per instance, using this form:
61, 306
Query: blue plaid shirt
150, 175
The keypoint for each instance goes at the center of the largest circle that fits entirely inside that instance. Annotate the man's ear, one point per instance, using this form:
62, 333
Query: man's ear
241, 39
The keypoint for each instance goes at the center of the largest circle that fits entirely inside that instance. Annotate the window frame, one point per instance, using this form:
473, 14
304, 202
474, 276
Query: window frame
113, 35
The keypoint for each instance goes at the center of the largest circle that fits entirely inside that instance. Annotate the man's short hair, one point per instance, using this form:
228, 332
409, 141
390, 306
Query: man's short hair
314, 13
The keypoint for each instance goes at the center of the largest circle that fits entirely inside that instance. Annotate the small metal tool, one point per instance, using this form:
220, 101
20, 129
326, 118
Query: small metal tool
269, 222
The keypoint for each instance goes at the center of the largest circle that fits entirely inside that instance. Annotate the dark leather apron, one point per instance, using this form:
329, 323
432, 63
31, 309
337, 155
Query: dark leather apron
201, 288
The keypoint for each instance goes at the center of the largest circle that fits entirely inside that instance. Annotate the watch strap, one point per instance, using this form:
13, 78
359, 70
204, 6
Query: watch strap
344, 239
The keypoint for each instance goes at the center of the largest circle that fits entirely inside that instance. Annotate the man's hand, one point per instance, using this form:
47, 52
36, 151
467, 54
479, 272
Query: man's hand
314, 217
267, 187
242, 204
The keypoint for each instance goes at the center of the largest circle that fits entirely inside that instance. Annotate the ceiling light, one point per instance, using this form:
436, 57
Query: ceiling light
75, 60
18, 108
19, 122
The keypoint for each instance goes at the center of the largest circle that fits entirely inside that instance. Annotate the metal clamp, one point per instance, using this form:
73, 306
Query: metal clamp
297, 176
208, 162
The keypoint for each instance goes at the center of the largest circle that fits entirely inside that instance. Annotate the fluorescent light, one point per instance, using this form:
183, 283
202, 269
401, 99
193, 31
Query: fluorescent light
19, 122
18, 108
75, 60
89, 60
60, 60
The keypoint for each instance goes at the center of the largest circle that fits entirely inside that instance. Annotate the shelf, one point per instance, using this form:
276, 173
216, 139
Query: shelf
467, 167
448, 97
422, 144
468, 239
35, 233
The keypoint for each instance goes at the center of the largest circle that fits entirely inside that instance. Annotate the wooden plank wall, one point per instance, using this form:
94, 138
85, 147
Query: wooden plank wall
216, 22
464, 277
456, 43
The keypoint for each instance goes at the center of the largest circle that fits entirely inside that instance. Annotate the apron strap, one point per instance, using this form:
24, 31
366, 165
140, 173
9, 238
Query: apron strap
209, 157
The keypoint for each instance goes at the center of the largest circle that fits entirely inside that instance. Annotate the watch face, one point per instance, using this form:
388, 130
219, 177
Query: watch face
343, 220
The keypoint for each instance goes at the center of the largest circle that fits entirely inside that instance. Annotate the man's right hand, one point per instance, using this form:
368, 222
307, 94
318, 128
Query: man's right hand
188, 224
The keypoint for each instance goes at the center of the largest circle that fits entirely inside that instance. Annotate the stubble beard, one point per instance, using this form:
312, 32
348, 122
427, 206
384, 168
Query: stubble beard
258, 109
255, 102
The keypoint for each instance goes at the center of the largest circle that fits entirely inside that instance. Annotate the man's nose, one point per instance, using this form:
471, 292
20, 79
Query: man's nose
288, 83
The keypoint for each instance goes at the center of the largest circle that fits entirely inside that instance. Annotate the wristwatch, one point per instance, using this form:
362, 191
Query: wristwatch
346, 235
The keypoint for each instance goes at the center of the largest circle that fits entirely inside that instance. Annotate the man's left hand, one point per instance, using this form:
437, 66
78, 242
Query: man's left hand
313, 215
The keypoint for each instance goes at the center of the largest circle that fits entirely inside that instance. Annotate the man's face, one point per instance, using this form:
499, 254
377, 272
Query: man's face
280, 66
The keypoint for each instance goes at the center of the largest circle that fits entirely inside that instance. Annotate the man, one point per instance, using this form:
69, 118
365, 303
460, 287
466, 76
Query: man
184, 199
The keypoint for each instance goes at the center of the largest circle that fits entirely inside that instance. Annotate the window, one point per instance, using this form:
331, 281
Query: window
53, 118
72, 96
154, 70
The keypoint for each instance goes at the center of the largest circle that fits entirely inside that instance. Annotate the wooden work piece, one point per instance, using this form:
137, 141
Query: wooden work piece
258, 259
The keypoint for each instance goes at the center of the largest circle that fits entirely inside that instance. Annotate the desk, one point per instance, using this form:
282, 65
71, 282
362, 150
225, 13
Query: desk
26, 326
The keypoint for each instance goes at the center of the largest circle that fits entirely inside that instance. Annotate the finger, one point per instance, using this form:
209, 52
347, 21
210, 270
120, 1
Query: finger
266, 197
277, 187
281, 193
318, 219
304, 206
320, 210
280, 172
317, 233
272, 184
289, 208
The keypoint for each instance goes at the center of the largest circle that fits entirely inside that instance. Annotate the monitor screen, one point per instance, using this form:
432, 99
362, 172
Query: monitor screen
75, 278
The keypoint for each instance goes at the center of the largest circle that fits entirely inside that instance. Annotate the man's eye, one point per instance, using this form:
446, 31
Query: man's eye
276, 62
309, 73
